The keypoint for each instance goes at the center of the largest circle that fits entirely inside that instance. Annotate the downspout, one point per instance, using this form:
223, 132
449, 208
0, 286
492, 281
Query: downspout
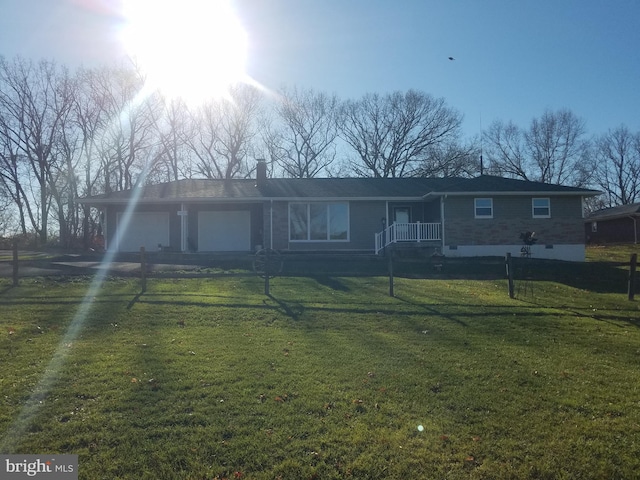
635, 229
271, 225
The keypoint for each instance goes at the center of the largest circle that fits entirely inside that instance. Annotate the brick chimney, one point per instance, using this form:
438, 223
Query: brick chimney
261, 172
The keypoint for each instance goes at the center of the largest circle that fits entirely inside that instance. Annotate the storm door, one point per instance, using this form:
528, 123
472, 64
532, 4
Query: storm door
402, 218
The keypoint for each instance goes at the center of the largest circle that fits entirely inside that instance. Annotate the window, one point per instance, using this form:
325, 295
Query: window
318, 222
483, 207
594, 227
541, 208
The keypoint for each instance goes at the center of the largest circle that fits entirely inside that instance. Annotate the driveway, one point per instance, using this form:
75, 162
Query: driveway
37, 264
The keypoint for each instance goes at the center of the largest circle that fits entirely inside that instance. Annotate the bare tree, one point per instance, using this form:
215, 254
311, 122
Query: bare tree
13, 174
63, 185
617, 155
558, 151
451, 159
223, 132
7, 219
36, 99
304, 142
392, 134
551, 150
504, 144
173, 133
127, 144
91, 118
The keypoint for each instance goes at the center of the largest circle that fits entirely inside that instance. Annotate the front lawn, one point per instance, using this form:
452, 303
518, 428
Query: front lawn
327, 378
611, 253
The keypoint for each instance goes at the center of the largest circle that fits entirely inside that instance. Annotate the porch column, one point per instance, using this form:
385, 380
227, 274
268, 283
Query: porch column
183, 228
386, 233
270, 225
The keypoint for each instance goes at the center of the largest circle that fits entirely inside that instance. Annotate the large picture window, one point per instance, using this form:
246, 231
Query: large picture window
318, 222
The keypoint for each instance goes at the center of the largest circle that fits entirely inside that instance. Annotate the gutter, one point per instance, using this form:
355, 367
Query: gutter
156, 201
486, 193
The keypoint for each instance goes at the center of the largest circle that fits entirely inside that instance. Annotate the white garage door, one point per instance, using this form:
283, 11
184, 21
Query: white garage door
228, 231
144, 230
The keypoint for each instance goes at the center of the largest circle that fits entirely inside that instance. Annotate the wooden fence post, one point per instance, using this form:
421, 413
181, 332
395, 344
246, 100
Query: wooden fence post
632, 275
390, 253
15, 263
267, 272
143, 270
509, 264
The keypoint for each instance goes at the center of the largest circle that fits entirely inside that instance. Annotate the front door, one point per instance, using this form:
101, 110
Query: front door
402, 216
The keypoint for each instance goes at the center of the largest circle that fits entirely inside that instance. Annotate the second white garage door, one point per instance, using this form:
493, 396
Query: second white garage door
225, 231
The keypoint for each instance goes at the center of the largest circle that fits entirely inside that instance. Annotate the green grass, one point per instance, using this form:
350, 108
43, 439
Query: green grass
611, 253
327, 378
7, 255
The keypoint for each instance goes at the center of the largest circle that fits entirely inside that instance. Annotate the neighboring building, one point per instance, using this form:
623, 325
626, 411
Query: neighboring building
614, 225
482, 216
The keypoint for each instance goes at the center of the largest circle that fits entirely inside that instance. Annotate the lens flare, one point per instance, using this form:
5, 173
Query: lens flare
51, 374
192, 49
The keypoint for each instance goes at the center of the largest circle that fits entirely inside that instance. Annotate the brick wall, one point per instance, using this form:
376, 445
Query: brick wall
512, 216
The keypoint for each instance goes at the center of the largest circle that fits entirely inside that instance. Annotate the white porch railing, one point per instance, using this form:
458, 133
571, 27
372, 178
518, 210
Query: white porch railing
407, 232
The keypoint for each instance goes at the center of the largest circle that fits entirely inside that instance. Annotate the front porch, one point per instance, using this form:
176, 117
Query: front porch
417, 232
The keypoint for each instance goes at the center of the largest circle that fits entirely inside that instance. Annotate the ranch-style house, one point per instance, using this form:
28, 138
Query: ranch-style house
481, 216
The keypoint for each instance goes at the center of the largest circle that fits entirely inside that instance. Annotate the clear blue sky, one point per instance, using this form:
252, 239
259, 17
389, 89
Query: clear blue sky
514, 58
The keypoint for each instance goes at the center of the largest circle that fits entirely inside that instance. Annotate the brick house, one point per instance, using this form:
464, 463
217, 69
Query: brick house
480, 216
614, 225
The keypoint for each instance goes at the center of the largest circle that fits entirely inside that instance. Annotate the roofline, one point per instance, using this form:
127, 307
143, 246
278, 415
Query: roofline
612, 217
583, 193
124, 201
345, 199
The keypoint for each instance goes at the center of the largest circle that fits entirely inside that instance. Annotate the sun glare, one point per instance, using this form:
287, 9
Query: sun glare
193, 49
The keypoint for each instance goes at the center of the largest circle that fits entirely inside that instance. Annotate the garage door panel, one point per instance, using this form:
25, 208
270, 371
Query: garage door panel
224, 231
143, 230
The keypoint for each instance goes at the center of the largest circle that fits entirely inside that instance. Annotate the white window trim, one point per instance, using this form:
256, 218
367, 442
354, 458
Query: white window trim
475, 208
308, 240
533, 208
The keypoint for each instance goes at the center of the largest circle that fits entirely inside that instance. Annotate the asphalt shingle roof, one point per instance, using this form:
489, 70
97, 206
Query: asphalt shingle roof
353, 187
489, 183
344, 188
632, 209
